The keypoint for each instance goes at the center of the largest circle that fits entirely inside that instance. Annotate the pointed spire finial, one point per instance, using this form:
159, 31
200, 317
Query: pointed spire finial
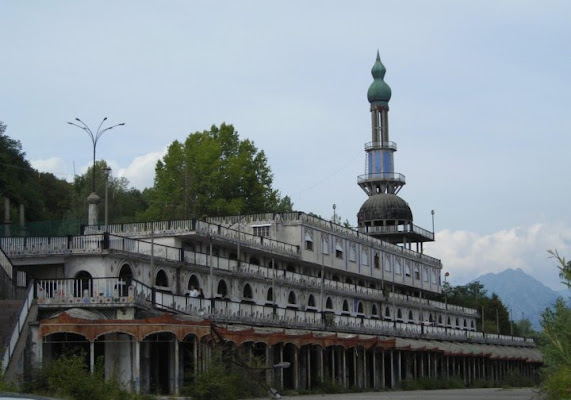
379, 91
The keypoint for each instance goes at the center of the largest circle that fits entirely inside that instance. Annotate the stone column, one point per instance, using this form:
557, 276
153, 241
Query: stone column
137, 367
92, 210
92, 356
176, 368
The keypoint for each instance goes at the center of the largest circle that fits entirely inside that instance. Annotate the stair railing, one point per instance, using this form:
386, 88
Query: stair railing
19, 325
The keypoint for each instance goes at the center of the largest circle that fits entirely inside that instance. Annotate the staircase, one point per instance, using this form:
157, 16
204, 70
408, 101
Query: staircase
17, 309
9, 312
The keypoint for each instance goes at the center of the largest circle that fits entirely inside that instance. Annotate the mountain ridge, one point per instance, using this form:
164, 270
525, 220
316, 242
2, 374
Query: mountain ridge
524, 295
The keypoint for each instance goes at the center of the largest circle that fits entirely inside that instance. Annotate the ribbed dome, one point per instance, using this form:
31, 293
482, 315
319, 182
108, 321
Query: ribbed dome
387, 207
379, 92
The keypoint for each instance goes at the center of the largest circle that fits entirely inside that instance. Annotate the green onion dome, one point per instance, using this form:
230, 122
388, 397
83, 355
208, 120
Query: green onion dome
379, 92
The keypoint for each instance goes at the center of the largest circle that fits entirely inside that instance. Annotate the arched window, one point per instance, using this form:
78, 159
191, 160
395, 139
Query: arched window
374, 311
410, 316
247, 293
360, 308
270, 295
440, 319
457, 322
161, 279
125, 280
377, 261
399, 314
83, 284
222, 290
193, 282
329, 304
345, 306
387, 312
430, 318
311, 301
472, 324
465, 324
291, 298
448, 322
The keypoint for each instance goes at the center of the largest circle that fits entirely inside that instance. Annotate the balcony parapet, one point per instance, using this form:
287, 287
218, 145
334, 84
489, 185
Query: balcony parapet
111, 292
435, 305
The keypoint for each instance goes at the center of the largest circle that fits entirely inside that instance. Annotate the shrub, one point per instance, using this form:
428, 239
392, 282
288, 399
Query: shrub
69, 377
225, 380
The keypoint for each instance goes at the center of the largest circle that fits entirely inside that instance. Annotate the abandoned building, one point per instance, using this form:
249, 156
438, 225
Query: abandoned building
351, 306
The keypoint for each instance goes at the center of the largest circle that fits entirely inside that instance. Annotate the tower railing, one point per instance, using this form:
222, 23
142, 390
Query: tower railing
397, 229
387, 176
381, 145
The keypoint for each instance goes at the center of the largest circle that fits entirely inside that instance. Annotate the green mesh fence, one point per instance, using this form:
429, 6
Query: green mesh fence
43, 228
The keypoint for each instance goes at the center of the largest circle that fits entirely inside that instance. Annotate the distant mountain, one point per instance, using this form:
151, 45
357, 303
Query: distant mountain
526, 296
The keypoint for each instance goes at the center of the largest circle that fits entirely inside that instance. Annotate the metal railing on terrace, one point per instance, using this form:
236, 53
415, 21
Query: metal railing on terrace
113, 291
206, 228
397, 229
404, 299
145, 228
215, 225
387, 176
380, 145
202, 228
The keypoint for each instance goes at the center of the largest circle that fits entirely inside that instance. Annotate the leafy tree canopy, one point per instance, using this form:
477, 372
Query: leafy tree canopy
213, 173
555, 340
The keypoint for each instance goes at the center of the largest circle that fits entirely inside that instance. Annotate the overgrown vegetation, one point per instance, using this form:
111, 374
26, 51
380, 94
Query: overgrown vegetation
68, 377
223, 379
555, 340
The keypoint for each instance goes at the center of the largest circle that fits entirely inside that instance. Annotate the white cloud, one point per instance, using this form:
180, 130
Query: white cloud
467, 255
141, 171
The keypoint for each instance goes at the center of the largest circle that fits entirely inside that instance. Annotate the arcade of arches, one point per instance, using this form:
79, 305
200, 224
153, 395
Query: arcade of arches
157, 354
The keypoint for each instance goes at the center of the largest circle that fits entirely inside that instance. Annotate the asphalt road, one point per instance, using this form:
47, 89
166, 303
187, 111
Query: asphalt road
454, 394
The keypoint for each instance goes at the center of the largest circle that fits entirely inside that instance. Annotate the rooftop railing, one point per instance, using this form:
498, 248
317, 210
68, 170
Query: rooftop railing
224, 227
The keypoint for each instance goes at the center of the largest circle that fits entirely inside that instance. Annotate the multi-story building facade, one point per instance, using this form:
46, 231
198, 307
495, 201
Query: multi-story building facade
340, 304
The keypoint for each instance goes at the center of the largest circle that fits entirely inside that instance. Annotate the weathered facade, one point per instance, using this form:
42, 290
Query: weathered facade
335, 303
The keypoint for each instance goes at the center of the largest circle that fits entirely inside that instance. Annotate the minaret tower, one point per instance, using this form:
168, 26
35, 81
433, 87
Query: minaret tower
385, 215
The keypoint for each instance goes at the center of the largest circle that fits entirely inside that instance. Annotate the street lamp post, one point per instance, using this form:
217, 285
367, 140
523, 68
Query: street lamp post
432, 213
94, 137
107, 172
446, 275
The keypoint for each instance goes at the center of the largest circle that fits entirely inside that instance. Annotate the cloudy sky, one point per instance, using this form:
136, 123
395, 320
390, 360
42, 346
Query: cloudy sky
480, 106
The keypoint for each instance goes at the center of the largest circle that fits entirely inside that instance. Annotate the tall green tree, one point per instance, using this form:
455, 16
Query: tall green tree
473, 295
43, 195
555, 340
213, 173
125, 204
